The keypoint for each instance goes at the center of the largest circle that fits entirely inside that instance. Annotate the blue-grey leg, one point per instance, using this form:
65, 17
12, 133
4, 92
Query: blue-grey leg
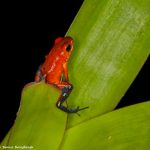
39, 76
65, 93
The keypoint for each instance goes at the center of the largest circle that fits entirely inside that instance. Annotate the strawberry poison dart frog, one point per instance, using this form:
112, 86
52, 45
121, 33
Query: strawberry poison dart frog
54, 67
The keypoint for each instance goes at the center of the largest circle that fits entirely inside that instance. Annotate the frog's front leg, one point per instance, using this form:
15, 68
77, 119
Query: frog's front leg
66, 89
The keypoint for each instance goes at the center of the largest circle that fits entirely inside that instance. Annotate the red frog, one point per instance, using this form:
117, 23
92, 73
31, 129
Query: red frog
55, 66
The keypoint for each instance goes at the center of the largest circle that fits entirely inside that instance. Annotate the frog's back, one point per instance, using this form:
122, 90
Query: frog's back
53, 65
49, 62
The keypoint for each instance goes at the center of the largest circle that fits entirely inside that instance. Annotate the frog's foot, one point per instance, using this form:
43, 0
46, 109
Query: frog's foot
69, 110
77, 110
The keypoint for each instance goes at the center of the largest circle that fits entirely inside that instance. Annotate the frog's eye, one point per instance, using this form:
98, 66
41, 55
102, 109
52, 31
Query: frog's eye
68, 48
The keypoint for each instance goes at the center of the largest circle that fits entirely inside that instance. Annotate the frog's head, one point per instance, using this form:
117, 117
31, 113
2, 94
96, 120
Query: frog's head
65, 46
68, 46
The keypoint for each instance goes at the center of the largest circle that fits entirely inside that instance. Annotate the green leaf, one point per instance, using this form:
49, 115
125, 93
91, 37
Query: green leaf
125, 129
39, 123
111, 45
6, 139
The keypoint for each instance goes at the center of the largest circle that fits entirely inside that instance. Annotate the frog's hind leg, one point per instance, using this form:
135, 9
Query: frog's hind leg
39, 77
66, 89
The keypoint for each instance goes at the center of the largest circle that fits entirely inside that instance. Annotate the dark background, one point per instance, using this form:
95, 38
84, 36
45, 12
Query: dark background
28, 31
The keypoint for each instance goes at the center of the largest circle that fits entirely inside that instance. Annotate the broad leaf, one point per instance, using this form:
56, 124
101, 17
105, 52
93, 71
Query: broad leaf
39, 123
125, 129
111, 45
